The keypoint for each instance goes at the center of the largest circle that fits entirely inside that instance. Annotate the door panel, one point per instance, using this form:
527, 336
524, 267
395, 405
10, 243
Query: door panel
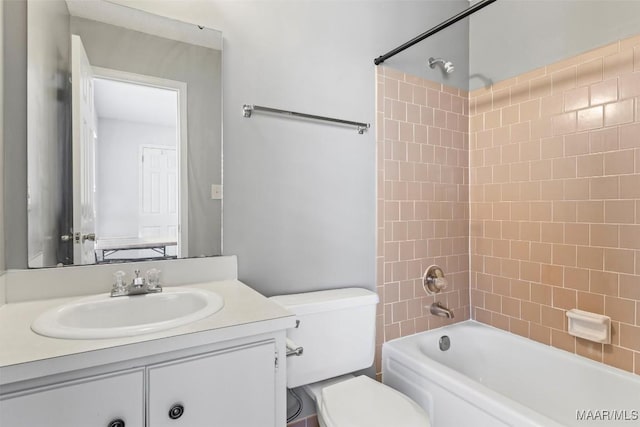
159, 210
234, 388
93, 402
84, 154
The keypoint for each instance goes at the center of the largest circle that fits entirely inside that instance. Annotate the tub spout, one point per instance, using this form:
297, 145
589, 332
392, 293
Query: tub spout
437, 309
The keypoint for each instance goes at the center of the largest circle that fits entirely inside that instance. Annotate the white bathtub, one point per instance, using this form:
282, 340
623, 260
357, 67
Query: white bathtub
489, 377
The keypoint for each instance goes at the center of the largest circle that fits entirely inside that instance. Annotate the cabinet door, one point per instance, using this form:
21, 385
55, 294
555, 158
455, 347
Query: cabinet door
91, 402
233, 388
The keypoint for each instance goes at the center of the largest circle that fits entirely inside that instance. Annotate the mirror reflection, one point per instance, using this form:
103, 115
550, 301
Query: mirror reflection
124, 135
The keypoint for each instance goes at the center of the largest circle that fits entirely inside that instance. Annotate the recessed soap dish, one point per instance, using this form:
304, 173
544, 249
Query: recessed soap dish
590, 326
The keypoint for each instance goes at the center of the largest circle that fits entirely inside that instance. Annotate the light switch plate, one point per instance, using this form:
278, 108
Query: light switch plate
216, 192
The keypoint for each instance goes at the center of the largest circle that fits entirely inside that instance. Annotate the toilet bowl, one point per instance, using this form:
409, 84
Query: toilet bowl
337, 332
362, 402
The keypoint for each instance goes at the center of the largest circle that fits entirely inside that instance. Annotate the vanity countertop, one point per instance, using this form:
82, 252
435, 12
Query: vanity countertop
25, 355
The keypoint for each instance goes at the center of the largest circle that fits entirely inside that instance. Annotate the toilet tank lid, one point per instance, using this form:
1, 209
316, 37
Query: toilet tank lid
320, 301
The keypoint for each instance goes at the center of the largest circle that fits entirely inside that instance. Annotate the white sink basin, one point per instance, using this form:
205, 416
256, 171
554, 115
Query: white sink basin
102, 316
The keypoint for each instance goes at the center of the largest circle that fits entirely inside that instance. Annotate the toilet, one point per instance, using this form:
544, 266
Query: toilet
337, 334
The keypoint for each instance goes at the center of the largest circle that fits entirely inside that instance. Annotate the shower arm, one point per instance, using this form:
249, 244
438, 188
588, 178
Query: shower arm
441, 26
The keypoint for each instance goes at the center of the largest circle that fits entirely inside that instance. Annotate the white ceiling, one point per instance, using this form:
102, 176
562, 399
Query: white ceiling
135, 103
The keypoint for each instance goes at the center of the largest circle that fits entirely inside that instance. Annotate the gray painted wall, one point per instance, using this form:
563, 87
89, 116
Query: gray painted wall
15, 132
510, 37
2, 178
299, 206
48, 123
300, 211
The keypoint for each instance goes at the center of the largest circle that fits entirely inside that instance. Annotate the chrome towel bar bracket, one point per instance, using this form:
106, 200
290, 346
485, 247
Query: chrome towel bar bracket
248, 109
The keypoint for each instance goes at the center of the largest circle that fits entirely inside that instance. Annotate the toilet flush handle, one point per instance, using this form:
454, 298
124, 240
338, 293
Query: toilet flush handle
293, 349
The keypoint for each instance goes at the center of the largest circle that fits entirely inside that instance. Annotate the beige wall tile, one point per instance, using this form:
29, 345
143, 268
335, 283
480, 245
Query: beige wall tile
576, 99
621, 310
540, 87
591, 211
619, 112
629, 287
588, 301
590, 257
605, 187
630, 336
619, 260
630, 135
576, 234
619, 211
577, 143
540, 333
553, 317
541, 252
423, 195
629, 85
630, 237
563, 340
565, 298
603, 140
566, 123
589, 349
618, 64
559, 202
590, 118
619, 357
563, 80
605, 92
552, 104
602, 282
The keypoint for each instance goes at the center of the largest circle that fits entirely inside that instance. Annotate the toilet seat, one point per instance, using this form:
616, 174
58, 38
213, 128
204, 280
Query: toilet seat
363, 402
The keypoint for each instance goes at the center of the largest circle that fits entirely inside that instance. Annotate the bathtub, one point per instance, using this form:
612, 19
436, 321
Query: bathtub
489, 377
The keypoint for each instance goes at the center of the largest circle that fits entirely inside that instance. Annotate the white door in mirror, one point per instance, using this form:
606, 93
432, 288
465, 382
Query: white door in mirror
84, 152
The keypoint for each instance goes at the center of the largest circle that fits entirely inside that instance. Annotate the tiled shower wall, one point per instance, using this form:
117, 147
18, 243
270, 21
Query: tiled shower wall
555, 201
423, 211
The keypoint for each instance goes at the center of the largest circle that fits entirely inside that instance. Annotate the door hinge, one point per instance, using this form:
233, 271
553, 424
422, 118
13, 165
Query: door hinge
276, 360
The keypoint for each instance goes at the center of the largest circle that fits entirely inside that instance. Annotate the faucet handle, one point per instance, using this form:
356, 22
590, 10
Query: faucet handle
119, 277
433, 280
153, 278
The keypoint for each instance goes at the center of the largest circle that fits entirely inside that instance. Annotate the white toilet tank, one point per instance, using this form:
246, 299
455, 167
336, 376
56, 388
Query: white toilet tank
337, 331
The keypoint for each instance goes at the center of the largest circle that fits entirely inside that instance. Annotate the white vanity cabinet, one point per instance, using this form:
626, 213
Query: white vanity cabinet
113, 400
233, 385
225, 370
230, 388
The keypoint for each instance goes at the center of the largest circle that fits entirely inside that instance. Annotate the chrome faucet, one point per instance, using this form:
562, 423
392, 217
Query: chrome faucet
138, 286
437, 309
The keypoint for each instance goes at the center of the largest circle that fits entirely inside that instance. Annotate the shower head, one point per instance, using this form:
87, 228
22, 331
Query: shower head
447, 66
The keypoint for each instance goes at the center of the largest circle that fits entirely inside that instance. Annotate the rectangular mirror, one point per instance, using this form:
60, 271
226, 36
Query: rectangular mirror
123, 135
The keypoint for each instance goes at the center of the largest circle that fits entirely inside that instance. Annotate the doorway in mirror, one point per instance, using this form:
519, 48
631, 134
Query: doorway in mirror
129, 145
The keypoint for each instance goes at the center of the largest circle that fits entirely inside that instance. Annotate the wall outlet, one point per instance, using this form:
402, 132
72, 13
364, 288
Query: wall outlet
216, 192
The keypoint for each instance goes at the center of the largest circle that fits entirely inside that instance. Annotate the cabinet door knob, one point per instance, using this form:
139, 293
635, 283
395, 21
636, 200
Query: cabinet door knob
176, 411
116, 423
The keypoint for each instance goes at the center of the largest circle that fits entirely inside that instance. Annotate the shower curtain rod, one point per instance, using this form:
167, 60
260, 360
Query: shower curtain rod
472, 9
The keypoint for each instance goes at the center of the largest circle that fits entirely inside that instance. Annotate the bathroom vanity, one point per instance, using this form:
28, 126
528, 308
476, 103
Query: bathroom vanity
224, 370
